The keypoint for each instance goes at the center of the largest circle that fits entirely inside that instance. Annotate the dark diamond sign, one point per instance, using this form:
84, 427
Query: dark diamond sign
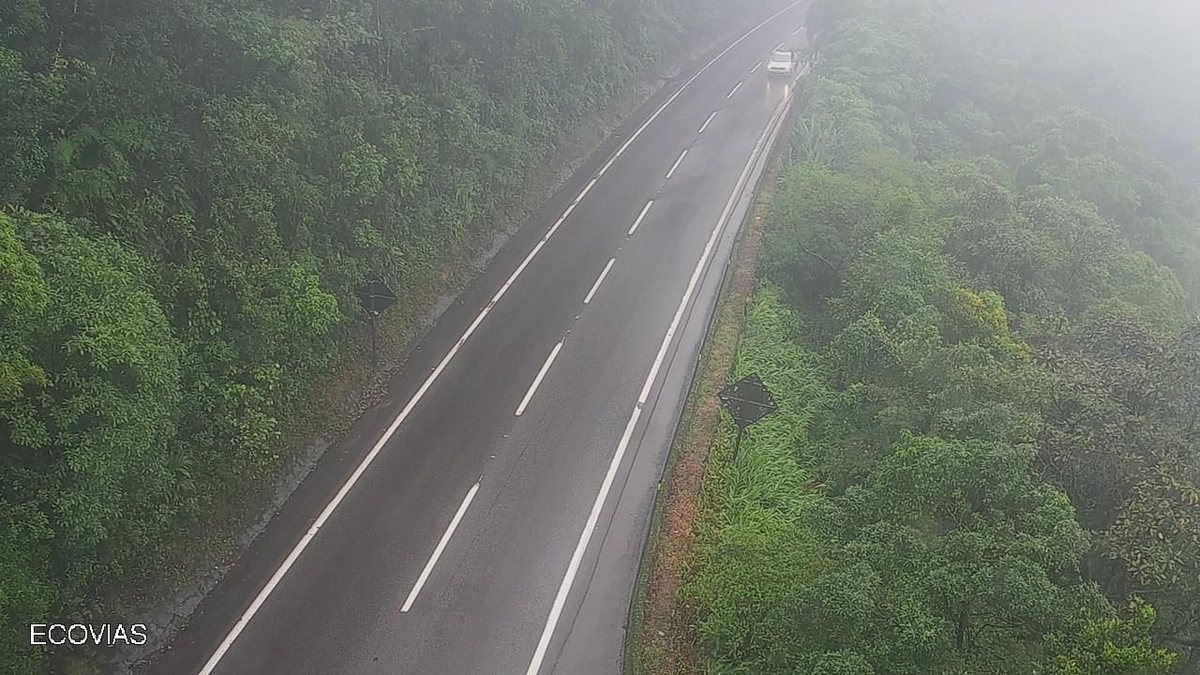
375, 296
748, 400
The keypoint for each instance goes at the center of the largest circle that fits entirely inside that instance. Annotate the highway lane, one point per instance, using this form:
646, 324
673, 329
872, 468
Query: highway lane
517, 488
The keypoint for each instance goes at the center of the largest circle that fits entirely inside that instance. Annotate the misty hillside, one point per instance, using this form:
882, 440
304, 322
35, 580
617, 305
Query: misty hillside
977, 302
978, 309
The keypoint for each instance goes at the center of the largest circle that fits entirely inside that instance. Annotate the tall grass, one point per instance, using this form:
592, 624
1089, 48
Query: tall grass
754, 544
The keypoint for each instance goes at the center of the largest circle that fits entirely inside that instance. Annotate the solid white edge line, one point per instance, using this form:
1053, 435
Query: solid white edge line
676, 164
733, 91
638, 221
262, 596
437, 552
538, 380
706, 122
594, 516
599, 280
520, 268
570, 208
756, 67
294, 554
607, 164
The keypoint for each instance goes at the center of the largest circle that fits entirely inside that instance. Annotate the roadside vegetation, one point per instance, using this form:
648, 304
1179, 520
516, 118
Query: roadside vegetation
978, 311
189, 192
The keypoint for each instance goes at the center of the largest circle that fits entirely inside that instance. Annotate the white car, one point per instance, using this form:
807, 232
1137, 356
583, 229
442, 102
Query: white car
782, 62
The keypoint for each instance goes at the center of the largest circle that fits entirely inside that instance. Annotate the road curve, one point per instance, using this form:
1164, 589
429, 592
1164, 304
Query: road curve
489, 516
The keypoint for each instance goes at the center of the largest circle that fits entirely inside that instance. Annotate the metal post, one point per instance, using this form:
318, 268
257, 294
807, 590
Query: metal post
737, 444
374, 353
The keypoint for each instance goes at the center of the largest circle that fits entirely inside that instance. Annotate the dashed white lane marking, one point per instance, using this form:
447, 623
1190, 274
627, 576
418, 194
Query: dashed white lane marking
298, 549
733, 91
756, 67
798, 29
645, 210
538, 380
676, 164
599, 280
597, 506
441, 546
706, 122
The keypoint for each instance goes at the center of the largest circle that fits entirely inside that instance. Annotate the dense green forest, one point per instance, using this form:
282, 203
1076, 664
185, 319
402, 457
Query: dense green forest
978, 310
189, 191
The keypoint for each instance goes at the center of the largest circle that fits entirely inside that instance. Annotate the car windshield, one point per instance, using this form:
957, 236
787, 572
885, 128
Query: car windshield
781, 56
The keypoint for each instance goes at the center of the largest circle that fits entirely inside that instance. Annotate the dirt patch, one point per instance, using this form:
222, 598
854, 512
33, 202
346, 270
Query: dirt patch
662, 638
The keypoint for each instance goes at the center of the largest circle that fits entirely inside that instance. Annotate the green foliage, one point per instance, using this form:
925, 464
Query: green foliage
23, 300
88, 469
1113, 646
946, 556
756, 550
970, 558
980, 294
813, 258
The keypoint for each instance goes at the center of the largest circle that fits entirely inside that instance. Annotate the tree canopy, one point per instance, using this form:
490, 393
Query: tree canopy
978, 311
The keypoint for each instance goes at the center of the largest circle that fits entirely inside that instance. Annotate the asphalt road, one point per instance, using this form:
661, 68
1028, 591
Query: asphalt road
490, 515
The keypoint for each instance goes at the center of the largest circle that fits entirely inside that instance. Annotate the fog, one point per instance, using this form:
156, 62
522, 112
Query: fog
1137, 61
1156, 46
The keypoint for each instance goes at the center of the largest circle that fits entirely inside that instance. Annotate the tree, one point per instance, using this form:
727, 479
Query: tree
23, 300
965, 535
818, 218
1111, 646
86, 447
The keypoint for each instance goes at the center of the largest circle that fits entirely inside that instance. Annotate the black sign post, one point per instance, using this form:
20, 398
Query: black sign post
375, 296
748, 400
